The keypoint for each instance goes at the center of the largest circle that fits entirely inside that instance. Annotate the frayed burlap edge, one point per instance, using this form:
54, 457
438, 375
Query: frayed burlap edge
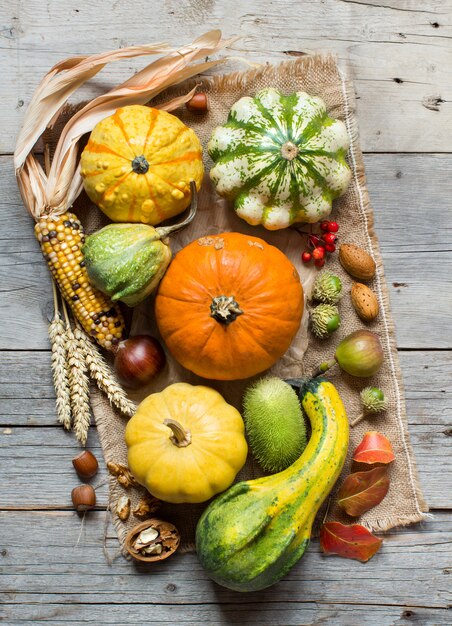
294, 67
367, 215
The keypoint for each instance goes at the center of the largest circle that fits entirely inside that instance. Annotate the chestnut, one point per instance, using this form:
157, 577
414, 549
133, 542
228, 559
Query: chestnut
198, 103
138, 360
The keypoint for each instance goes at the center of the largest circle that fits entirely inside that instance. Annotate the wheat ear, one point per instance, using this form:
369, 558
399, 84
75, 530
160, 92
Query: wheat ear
101, 373
78, 384
57, 335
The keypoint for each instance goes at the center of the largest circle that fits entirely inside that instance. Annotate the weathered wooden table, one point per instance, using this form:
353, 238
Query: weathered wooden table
401, 55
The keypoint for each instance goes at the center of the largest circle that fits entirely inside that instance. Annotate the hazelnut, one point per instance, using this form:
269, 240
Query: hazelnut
198, 104
86, 465
83, 498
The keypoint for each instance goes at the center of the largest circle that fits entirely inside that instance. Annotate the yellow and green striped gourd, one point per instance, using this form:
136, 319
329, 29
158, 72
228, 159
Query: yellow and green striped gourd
250, 536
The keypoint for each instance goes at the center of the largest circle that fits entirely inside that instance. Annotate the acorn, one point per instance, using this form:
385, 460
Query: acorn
325, 319
327, 288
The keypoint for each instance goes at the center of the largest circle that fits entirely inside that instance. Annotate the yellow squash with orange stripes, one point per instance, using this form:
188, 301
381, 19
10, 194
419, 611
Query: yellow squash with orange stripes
138, 164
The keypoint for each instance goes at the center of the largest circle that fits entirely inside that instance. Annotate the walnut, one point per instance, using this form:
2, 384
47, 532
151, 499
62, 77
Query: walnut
123, 475
152, 540
146, 506
123, 508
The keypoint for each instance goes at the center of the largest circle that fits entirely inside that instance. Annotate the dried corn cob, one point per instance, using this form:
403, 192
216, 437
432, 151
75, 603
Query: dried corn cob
61, 238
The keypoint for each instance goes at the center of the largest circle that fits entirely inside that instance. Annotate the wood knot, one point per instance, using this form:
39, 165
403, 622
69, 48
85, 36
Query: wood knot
432, 102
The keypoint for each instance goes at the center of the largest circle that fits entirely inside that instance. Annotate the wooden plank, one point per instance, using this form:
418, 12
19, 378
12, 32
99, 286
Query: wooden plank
400, 55
262, 614
51, 450
27, 389
28, 400
418, 272
412, 569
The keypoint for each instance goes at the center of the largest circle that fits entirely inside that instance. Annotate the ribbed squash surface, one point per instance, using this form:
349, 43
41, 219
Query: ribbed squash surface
138, 164
280, 158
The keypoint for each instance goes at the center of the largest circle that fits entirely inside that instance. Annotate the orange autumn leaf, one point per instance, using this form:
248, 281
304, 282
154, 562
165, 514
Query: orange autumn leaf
374, 448
350, 542
362, 491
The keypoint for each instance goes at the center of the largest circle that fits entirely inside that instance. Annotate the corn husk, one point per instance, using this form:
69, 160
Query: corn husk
54, 192
54, 188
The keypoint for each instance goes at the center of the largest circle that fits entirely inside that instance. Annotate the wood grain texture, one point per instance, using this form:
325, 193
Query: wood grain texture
403, 189
395, 50
262, 614
412, 569
400, 53
27, 389
30, 403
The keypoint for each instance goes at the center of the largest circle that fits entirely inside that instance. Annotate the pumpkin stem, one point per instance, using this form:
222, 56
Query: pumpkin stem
166, 230
224, 309
140, 165
289, 150
181, 437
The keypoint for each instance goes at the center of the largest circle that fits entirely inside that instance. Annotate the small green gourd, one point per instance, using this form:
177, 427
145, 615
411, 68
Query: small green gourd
127, 261
274, 424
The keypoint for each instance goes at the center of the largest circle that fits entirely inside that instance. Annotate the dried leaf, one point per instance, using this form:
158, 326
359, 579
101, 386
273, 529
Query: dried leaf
361, 491
374, 448
350, 542
57, 190
60, 82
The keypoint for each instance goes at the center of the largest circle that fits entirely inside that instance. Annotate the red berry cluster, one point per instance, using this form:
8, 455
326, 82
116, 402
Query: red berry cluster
322, 243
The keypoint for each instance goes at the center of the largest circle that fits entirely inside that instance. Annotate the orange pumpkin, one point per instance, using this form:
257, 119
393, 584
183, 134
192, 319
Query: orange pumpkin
229, 306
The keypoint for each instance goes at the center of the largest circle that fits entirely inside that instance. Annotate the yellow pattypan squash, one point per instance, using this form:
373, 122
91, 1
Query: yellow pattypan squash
138, 164
186, 443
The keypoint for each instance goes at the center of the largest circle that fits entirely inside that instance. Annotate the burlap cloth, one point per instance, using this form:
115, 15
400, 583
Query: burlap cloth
320, 76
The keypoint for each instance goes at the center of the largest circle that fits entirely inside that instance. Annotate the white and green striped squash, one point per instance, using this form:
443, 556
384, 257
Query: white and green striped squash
280, 158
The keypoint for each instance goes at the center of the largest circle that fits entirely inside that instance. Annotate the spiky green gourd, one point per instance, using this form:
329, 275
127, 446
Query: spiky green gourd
325, 319
280, 158
327, 288
250, 536
373, 399
274, 424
